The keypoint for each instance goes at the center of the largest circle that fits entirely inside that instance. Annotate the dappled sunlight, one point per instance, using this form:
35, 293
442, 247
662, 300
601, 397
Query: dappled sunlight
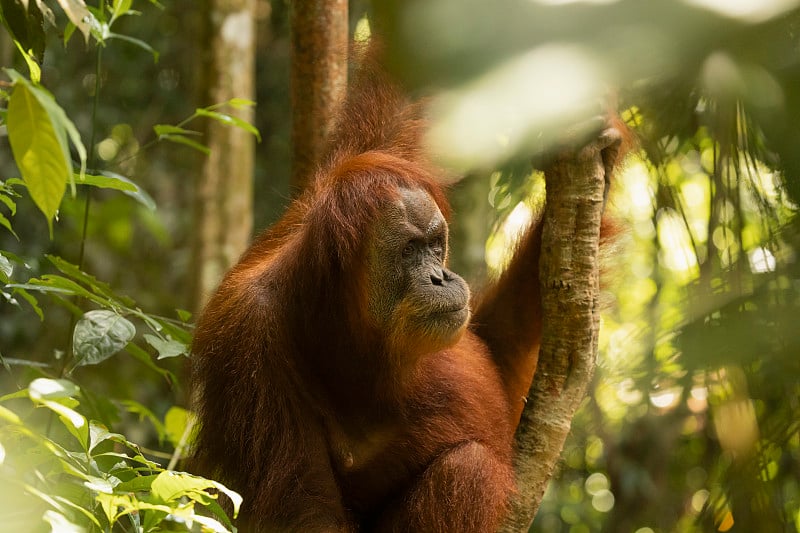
747, 10
523, 104
500, 247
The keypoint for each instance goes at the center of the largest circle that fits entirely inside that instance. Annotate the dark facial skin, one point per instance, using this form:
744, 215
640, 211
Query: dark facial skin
423, 305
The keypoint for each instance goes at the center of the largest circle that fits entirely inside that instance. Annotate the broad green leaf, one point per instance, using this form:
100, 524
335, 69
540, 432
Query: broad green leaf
98, 335
170, 486
184, 315
137, 484
115, 505
40, 149
229, 120
99, 434
61, 128
52, 389
166, 348
98, 484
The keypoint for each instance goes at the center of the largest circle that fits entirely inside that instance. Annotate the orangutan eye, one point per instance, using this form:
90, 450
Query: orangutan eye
437, 246
408, 249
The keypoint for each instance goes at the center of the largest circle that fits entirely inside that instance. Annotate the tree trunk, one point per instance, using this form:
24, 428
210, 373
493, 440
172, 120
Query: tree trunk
570, 288
318, 80
224, 191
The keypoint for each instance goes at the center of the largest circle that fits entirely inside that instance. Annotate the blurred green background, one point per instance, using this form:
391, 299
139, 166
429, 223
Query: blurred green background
693, 419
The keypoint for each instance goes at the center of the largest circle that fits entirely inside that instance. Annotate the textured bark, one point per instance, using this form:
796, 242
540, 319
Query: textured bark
318, 80
224, 191
570, 286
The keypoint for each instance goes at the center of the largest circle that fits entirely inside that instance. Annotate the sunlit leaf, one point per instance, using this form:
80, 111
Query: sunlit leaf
167, 129
180, 139
166, 347
229, 120
59, 522
52, 389
98, 335
79, 15
170, 486
5, 266
40, 148
176, 422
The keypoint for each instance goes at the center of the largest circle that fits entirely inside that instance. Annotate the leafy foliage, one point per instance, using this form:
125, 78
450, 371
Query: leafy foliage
60, 461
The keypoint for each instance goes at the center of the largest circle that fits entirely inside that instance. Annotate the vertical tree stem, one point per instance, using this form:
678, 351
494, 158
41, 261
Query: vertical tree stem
318, 80
570, 288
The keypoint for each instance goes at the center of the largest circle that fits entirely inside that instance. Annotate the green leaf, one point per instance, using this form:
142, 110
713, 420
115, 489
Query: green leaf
79, 15
120, 8
180, 139
7, 224
167, 129
112, 180
137, 42
52, 389
137, 484
6, 268
62, 524
40, 149
107, 182
34, 101
9, 416
11, 204
171, 486
32, 301
55, 394
229, 120
30, 61
145, 358
98, 335
25, 26
176, 422
240, 103
99, 434
98, 287
166, 347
